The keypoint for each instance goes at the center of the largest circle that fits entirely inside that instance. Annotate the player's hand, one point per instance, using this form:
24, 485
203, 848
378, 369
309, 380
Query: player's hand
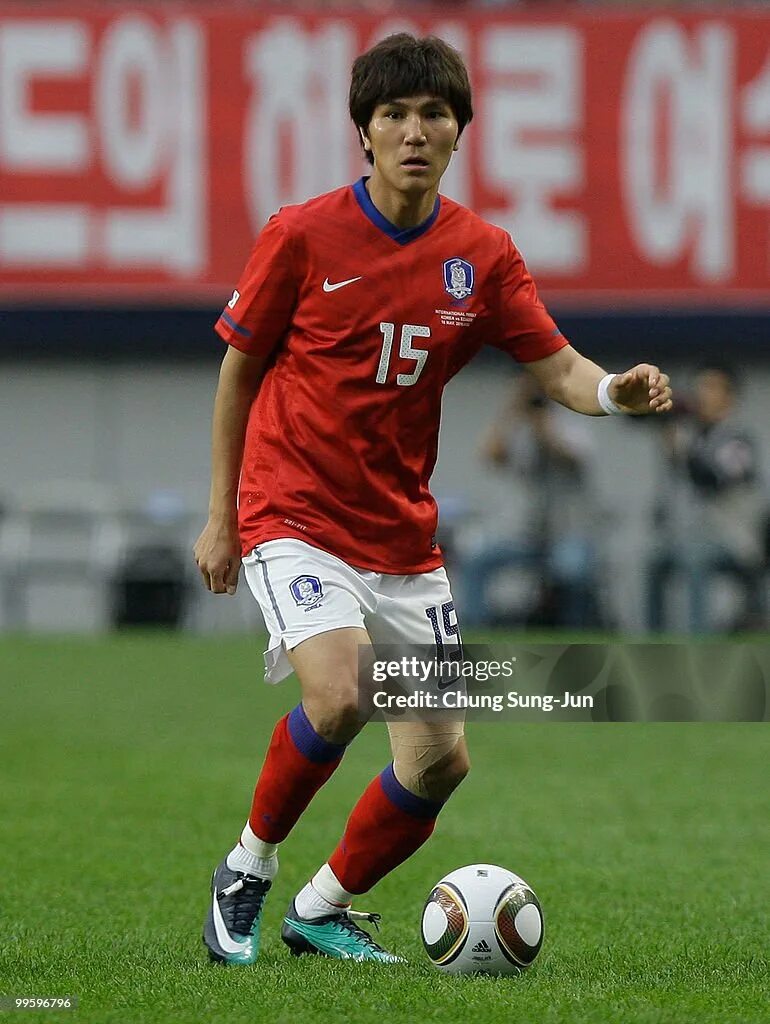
642, 389
218, 556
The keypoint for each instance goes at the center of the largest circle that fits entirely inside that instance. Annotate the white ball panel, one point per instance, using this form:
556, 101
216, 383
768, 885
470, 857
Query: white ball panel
528, 924
434, 923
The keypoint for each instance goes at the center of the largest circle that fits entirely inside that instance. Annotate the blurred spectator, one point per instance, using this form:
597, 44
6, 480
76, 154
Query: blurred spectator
547, 456
711, 519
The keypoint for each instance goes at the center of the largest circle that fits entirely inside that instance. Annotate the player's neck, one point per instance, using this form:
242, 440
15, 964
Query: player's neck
401, 209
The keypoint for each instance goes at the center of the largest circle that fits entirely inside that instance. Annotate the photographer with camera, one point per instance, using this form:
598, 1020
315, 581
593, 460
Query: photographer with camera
711, 522
547, 456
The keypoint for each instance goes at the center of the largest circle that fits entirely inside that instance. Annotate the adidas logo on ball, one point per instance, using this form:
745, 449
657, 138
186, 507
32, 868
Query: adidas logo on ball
482, 947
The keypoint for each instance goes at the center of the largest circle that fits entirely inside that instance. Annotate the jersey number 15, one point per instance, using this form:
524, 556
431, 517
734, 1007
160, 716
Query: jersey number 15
405, 351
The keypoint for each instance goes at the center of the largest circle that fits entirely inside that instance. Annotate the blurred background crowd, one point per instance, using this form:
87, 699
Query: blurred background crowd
704, 562
141, 149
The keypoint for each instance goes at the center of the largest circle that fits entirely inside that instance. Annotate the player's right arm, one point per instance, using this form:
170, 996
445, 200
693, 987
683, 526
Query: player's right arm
217, 550
253, 323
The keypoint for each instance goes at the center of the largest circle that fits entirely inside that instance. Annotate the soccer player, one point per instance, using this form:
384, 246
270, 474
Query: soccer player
353, 312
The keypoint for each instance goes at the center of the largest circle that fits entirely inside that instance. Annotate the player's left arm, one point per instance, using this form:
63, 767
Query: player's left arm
573, 381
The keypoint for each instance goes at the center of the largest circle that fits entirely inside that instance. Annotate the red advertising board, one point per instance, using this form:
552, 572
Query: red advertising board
142, 148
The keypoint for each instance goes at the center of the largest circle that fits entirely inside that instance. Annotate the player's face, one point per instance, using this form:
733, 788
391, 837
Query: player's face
412, 141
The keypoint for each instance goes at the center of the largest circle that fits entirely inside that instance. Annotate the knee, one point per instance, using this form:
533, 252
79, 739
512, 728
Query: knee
337, 716
443, 777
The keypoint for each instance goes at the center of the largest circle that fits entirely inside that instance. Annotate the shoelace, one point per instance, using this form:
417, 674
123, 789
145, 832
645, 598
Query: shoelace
246, 908
347, 923
363, 915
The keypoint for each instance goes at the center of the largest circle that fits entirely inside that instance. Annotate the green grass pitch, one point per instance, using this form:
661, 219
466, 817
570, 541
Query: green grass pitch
126, 771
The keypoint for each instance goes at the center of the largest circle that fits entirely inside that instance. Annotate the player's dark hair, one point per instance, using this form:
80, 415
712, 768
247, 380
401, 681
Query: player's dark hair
401, 66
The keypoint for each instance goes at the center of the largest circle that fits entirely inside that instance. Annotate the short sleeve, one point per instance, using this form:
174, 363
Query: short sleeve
261, 308
525, 328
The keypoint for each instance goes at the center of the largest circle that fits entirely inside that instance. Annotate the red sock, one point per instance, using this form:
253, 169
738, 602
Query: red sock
298, 763
385, 827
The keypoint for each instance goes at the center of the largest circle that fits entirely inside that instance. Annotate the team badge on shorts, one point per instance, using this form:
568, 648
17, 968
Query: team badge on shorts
459, 276
306, 591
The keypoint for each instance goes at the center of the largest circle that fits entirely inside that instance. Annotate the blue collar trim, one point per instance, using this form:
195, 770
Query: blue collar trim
400, 235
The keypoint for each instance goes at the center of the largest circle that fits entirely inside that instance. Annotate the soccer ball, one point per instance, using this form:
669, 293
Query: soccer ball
482, 919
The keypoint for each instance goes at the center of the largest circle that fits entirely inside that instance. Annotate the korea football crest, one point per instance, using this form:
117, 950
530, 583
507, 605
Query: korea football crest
459, 277
306, 591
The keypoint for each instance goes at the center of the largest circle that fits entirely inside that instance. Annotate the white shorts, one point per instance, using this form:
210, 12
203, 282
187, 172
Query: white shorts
304, 591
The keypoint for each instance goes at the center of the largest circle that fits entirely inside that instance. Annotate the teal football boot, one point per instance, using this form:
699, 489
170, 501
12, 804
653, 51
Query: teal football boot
335, 935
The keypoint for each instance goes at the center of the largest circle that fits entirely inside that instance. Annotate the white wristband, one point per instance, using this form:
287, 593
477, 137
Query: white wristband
603, 397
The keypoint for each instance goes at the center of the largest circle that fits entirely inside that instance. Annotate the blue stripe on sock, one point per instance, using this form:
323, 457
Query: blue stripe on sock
406, 801
308, 742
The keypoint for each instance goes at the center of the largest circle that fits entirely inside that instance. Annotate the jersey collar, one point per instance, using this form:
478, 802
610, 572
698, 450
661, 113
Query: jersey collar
400, 235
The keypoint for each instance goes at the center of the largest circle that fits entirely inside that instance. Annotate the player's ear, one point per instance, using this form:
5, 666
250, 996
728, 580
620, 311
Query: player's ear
365, 139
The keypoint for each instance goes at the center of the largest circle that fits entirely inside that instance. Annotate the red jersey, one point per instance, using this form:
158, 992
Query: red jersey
365, 323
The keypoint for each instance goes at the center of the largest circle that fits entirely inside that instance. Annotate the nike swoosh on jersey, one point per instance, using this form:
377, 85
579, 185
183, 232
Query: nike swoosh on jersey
223, 936
340, 284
